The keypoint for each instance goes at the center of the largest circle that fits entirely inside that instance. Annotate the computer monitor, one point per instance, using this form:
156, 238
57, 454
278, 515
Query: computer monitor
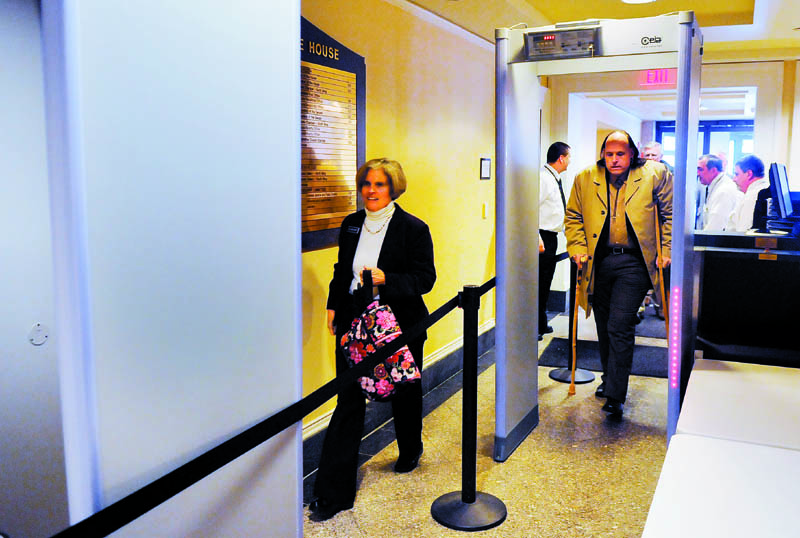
779, 185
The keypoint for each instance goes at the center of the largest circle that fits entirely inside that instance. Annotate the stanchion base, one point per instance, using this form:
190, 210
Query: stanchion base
486, 512
565, 375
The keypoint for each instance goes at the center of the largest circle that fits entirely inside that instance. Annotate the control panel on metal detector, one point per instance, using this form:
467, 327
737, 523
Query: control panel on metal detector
562, 44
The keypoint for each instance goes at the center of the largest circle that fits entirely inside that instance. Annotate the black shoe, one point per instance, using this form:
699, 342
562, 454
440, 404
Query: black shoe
601, 390
407, 465
613, 407
323, 509
541, 337
547, 330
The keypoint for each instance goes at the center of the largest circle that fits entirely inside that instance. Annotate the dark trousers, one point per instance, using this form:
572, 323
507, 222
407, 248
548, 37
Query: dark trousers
621, 282
338, 465
547, 268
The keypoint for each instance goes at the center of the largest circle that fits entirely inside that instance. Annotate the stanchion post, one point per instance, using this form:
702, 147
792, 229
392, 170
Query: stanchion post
564, 375
469, 510
470, 302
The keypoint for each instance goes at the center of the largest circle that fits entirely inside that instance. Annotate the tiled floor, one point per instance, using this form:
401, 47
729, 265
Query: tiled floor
578, 474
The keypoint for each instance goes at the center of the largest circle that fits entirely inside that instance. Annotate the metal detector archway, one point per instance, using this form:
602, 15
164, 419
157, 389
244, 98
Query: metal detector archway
522, 56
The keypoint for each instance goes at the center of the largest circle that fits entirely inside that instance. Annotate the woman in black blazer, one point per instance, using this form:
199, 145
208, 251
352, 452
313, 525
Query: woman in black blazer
397, 248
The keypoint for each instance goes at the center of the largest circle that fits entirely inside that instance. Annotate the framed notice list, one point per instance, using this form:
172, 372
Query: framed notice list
332, 125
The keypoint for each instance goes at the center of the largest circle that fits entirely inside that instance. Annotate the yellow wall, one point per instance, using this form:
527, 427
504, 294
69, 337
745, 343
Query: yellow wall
794, 142
430, 105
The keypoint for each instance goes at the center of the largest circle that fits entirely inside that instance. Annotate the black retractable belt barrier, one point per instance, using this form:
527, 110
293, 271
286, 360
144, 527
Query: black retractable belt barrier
125, 510
470, 510
564, 375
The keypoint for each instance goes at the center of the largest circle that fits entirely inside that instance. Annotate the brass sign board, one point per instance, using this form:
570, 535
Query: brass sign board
332, 126
329, 146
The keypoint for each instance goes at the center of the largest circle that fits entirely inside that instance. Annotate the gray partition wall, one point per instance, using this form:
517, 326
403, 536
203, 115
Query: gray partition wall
173, 133
522, 56
518, 116
33, 489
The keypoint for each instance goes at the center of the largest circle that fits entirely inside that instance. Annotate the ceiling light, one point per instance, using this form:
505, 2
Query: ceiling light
637, 1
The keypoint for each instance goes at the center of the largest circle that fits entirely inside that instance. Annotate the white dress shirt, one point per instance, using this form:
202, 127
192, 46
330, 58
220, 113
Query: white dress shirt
551, 208
721, 199
742, 217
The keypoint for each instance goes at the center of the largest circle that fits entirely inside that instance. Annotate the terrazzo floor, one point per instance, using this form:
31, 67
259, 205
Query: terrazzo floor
578, 474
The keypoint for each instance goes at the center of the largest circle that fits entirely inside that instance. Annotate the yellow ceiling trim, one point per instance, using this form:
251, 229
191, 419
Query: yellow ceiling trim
724, 19
708, 13
786, 44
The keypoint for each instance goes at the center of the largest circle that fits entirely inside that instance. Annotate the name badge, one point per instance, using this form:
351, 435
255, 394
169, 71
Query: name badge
353, 229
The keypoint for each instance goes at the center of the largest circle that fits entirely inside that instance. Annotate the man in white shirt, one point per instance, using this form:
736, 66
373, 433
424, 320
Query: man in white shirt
721, 195
552, 203
751, 210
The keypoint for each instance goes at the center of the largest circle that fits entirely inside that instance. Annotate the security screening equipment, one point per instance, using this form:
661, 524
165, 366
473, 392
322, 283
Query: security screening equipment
562, 43
587, 39
594, 46
522, 55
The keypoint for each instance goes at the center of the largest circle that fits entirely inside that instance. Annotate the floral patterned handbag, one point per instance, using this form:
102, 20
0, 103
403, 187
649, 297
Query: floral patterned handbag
376, 327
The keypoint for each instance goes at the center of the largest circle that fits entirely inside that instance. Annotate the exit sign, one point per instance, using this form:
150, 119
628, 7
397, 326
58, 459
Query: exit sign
658, 78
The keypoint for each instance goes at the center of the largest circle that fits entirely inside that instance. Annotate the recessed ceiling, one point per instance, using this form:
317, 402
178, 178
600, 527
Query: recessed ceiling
727, 25
660, 105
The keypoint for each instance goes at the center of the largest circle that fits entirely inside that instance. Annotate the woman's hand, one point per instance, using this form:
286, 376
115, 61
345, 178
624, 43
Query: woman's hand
331, 326
378, 276
663, 261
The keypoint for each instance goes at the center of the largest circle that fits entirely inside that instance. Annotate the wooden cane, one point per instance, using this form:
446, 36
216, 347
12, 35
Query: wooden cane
571, 390
664, 299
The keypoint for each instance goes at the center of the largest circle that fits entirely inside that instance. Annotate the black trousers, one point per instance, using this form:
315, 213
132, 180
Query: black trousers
547, 268
621, 282
338, 466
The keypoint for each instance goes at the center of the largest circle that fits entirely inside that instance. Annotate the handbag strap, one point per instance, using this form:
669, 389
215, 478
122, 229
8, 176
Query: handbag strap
363, 294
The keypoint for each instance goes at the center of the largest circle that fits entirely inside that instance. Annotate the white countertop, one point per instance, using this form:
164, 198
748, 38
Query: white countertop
719, 488
743, 402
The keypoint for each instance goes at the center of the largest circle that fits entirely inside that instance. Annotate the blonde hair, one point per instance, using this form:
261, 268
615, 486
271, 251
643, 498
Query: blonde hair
391, 169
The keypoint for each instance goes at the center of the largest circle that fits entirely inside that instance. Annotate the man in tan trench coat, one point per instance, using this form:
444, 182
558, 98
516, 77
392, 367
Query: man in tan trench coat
610, 226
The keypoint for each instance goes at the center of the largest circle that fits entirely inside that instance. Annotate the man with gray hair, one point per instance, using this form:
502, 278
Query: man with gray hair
652, 151
610, 224
720, 193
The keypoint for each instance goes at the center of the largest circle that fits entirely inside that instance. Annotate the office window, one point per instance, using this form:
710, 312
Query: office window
734, 138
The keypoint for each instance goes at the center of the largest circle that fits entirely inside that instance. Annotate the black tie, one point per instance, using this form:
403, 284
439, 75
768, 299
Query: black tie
561, 190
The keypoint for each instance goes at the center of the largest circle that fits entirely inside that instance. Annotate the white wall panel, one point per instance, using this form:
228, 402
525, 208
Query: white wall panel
186, 116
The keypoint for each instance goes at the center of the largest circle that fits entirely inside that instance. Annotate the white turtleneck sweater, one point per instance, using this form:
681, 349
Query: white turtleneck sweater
370, 241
